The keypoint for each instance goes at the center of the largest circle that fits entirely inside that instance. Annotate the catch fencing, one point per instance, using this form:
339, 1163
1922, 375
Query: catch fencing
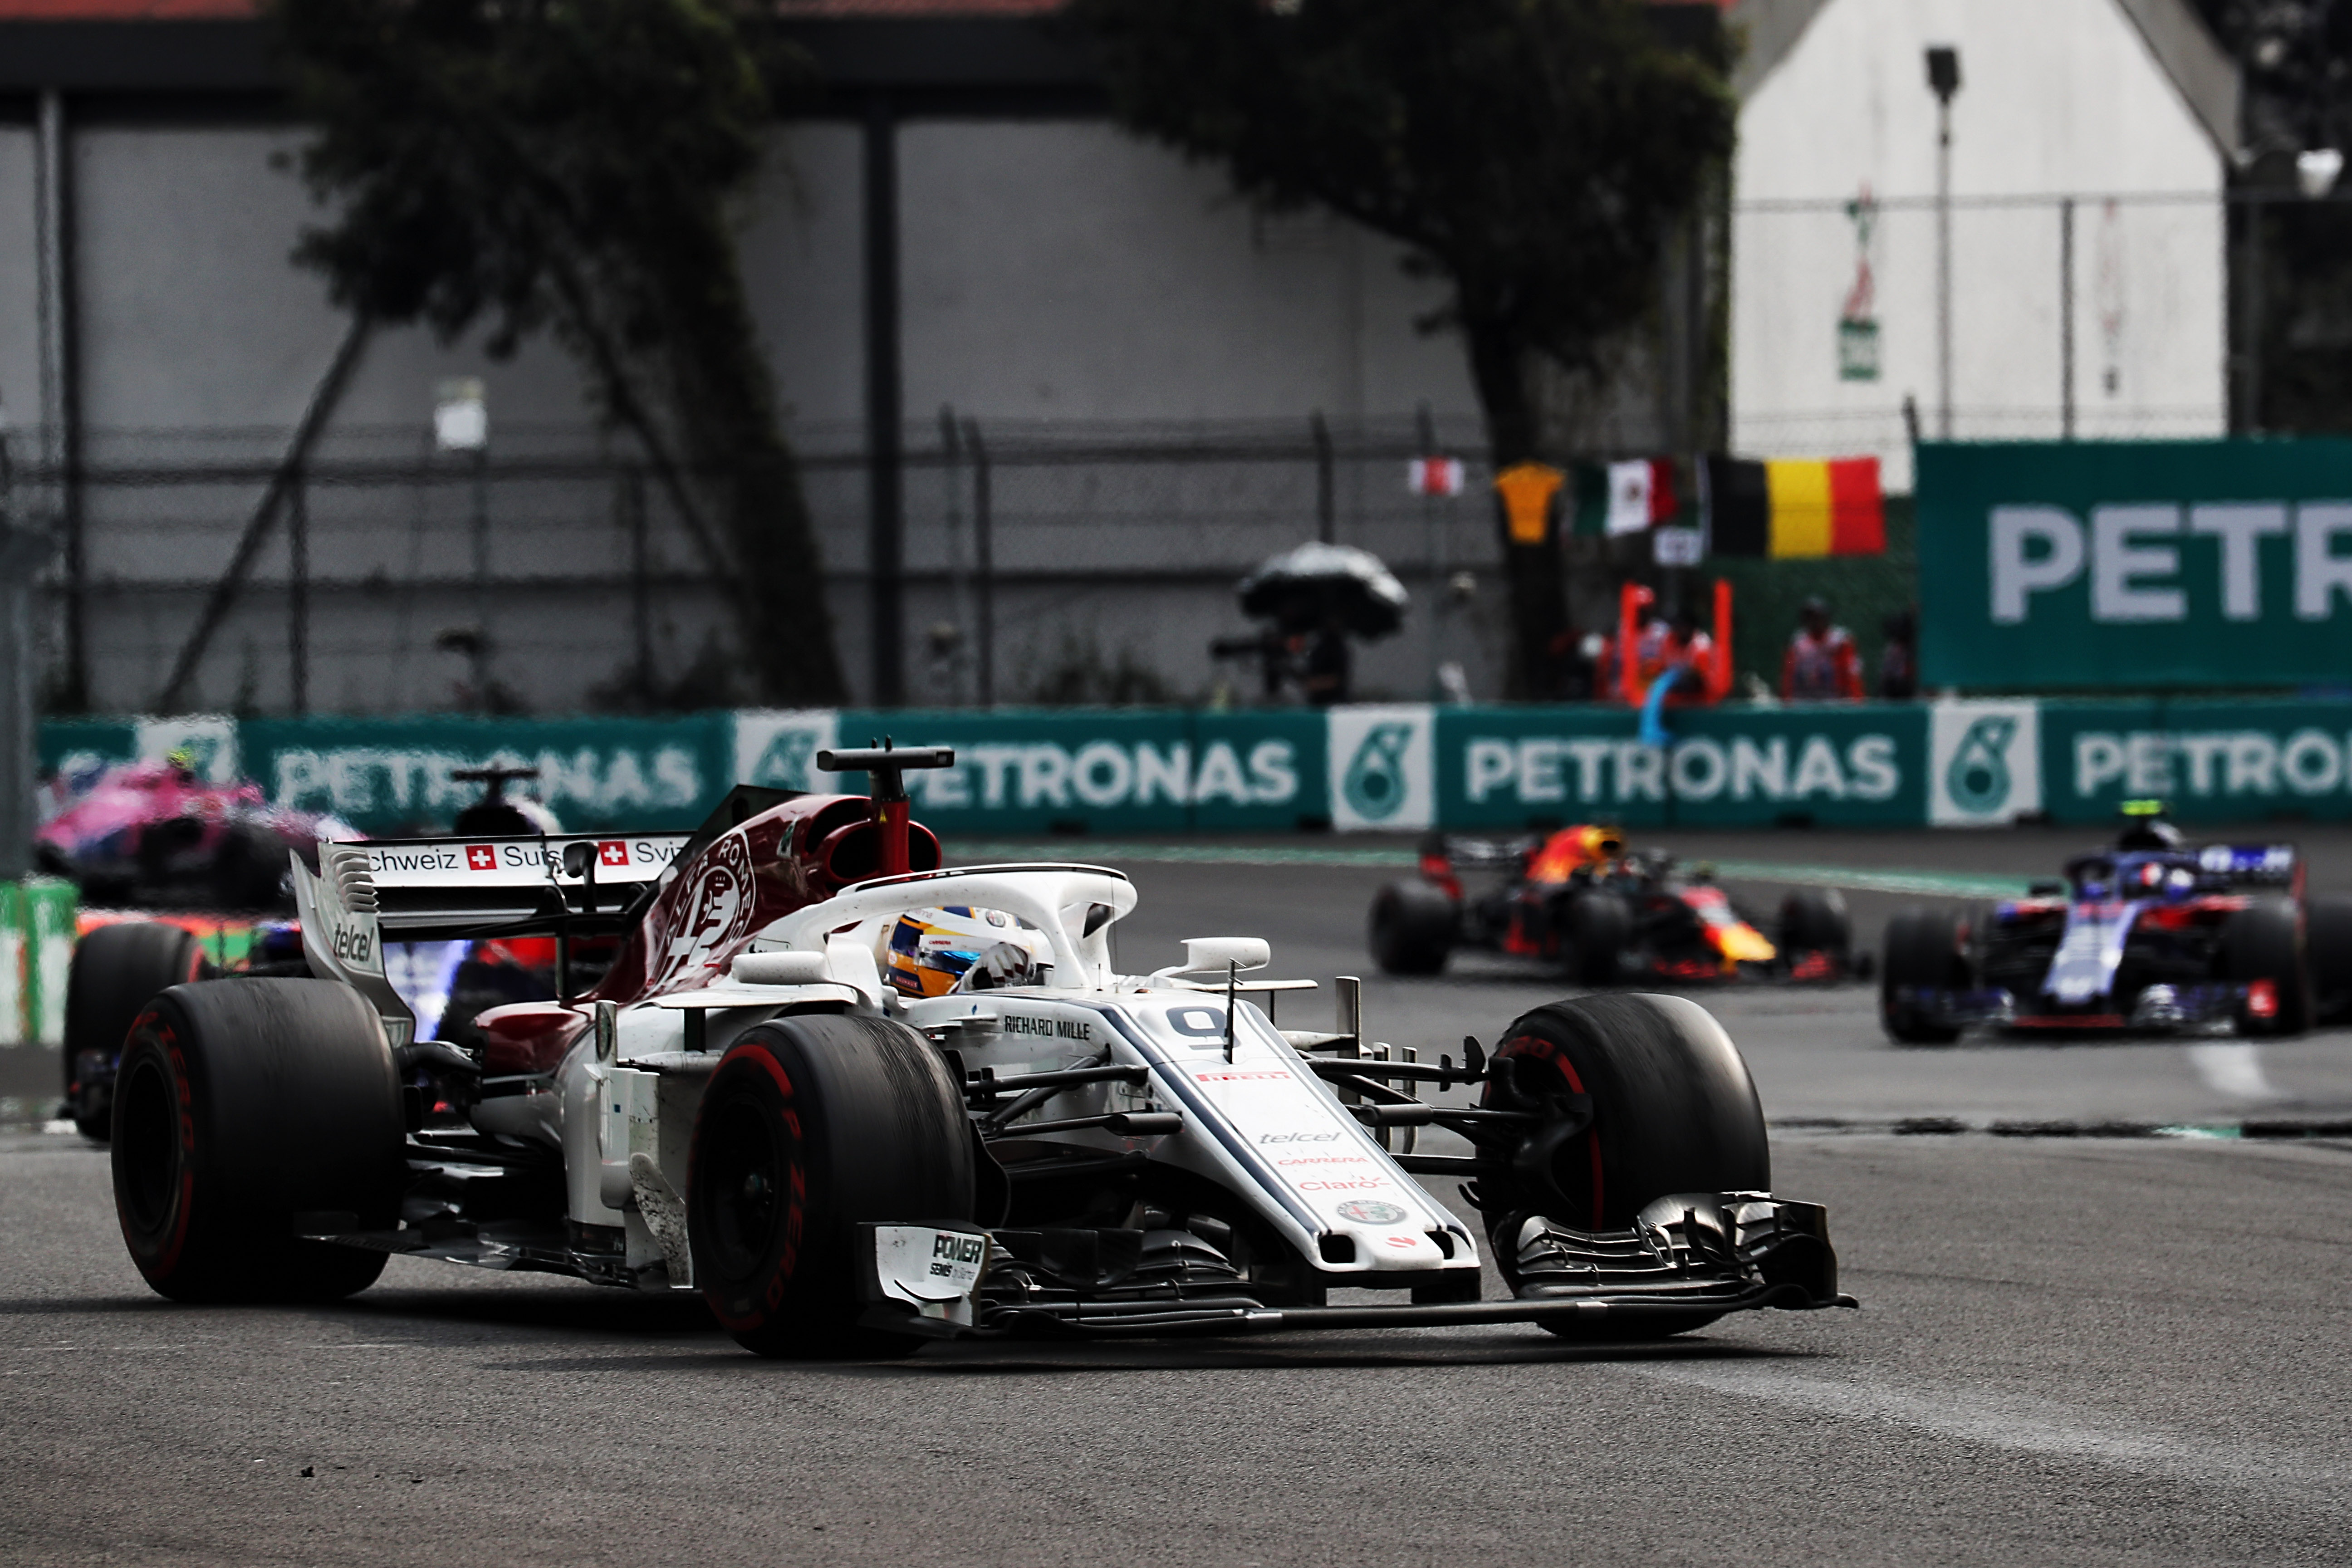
1039, 562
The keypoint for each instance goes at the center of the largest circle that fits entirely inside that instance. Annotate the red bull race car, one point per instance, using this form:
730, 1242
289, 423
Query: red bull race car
857, 1100
2151, 935
1607, 915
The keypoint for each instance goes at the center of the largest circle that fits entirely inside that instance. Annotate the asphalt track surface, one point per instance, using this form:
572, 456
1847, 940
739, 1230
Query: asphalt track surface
2071, 1350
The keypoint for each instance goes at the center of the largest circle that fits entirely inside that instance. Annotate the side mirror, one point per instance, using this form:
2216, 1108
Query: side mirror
1203, 952
577, 859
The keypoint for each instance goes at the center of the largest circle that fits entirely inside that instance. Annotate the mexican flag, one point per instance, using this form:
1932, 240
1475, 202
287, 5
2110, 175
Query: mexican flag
1614, 499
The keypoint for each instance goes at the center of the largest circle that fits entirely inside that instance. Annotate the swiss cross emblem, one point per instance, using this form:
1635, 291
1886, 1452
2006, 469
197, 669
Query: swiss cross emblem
612, 852
482, 857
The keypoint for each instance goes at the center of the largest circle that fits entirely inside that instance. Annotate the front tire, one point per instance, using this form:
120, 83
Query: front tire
2327, 950
117, 970
1642, 1096
1414, 927
812, 1126
2262, 946
1926, 949
247, 1110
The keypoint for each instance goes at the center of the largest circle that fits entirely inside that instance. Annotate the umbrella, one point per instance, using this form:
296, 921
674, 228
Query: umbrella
1300, 587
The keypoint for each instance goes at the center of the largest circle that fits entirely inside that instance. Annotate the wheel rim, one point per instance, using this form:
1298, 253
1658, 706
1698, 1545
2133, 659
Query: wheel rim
745, 1183
147, 1144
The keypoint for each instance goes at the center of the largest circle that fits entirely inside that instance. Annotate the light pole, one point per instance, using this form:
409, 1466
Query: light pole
1944, 79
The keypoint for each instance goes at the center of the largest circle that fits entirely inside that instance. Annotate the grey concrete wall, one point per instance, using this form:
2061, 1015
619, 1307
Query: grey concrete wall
1060, 282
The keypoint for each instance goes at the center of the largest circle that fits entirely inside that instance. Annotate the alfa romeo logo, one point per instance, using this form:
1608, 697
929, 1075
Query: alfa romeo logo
1374, 783
1978, 779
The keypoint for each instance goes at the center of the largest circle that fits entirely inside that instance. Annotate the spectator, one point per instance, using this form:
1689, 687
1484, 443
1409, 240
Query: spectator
1324, 675
1821, 665
1898, 666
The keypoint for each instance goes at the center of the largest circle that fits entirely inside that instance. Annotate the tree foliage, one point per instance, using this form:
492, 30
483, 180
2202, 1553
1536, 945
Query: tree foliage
572, 166
1531, 153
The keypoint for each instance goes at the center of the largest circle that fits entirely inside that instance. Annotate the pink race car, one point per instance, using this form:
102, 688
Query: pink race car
156, 835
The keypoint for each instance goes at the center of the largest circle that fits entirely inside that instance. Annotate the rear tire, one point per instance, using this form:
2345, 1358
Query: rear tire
1413, 928
1926, 948
117, 970
2265, 941
241, 1105
1671, 1110
2327, 951
812, 1126
1600, 927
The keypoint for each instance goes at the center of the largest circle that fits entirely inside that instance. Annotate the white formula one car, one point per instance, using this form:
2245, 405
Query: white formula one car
857, 1100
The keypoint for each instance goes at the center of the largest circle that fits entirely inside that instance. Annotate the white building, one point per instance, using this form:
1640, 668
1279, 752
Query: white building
2126, 107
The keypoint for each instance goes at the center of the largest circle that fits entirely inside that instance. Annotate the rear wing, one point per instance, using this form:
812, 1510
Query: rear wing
438, 889
1465, 849
2251, 867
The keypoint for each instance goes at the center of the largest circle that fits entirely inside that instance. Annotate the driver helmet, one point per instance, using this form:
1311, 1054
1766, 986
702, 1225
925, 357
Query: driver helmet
931, 951
2145, 828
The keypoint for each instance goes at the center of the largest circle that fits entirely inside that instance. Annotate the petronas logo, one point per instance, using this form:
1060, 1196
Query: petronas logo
786, 763
1978, 780
1374, 783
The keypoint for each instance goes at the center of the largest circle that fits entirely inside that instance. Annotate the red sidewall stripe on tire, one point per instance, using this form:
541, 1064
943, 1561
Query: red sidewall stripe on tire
1536, 1045
163, 1262
795, 1212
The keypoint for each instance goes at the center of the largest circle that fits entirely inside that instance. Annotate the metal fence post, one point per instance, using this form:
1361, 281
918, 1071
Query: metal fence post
298, 591
23, 552
983, 544
481, 530
959, 579
1327, 516
2250, 381
641, 608
2067, 318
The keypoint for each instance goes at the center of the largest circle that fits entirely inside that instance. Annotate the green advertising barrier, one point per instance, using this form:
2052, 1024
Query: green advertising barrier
1400, 768
2214, 762
390, 775
37, 939
2136, 564
1850, 764
1062, 769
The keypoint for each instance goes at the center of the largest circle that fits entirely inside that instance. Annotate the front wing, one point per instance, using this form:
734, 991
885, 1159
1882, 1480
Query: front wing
2214, 1007
1688, 1259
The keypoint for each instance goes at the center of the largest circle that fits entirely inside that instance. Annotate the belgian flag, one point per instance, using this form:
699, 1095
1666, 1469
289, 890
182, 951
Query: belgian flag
1794, 509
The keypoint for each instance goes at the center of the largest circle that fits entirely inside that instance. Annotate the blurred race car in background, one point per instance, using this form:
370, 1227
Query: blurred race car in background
173, 820
159, 836
2152, 934
1606, 914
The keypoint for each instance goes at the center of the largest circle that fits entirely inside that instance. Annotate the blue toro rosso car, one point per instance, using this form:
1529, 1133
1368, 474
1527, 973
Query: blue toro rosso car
2152, 935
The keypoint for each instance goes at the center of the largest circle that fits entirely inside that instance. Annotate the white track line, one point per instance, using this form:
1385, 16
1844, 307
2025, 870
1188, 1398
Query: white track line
2022, 1424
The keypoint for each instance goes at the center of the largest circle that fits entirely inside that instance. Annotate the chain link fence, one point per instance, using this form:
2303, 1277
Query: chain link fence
1039, 562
